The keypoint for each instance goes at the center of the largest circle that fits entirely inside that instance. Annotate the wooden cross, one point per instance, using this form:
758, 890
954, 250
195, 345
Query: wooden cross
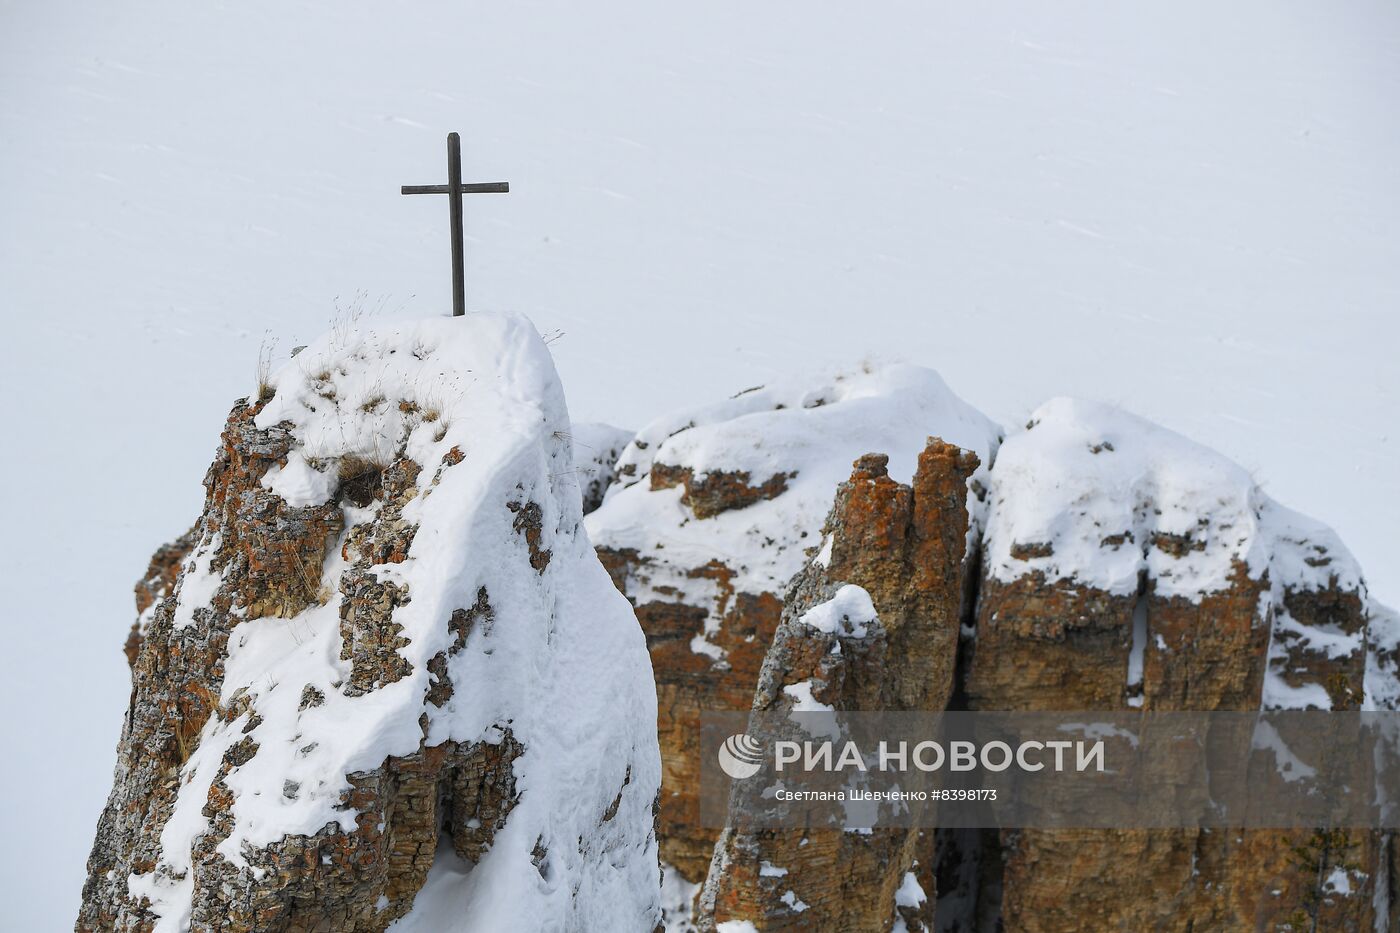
455, 189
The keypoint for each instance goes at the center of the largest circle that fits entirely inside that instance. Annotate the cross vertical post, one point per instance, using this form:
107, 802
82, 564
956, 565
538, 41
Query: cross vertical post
454, 189
454, 206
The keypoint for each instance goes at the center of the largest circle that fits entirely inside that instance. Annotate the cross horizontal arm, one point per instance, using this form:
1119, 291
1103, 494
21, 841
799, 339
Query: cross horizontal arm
484, 187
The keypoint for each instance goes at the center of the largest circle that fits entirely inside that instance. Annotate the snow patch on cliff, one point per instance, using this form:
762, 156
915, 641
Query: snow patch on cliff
848, 612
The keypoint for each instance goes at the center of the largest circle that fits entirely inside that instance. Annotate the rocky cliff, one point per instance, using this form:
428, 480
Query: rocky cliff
713, 511
871, 623
385, 679
1127, 567
1118, 567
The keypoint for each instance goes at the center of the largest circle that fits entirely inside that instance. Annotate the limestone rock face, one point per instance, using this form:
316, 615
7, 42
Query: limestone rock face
178, 661
894, 570
713, 511
157, 583
366, 686
1128, 568
1122, 567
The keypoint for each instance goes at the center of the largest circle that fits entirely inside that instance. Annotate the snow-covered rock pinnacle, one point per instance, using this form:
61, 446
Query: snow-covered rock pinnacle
391, 684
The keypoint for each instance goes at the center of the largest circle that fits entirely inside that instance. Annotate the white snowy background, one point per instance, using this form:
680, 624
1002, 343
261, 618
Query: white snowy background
1185, 208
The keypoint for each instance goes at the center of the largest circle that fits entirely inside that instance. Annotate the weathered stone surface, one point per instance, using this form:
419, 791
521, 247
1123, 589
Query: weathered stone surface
1249, 606
713, 511
529, 524
158, 583
268, 556
275, 548
906, 547
718, 490
1182, 881
1041, 644
1246, 641
361, 880
734, 629
689, 682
